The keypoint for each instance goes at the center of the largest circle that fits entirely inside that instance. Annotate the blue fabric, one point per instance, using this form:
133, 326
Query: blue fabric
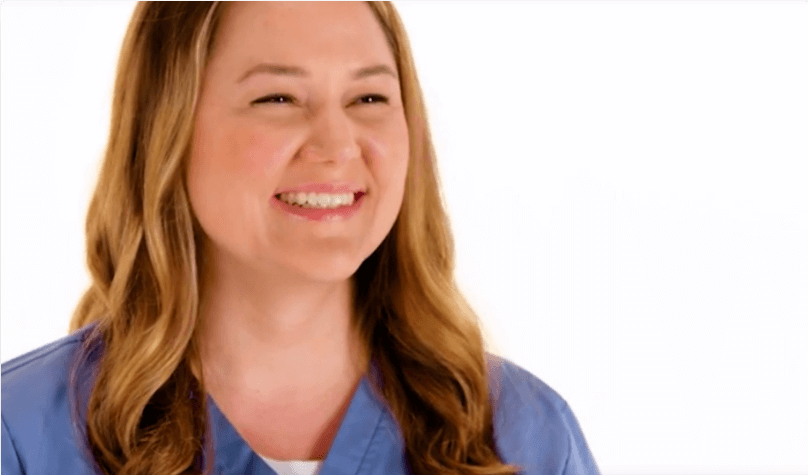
533, 426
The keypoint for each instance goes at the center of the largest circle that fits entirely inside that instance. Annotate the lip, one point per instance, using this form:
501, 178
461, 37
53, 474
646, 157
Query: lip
323, 187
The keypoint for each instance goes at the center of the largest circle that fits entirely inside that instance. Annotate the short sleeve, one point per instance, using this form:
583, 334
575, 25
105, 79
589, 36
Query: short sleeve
11, 461
579, 458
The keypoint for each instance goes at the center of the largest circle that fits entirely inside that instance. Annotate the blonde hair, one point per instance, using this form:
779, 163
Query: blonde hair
144, 251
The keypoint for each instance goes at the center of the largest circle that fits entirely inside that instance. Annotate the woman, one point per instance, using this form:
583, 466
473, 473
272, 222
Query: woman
267, 232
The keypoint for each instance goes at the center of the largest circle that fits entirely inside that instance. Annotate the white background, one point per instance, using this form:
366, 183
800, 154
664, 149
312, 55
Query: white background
626, 183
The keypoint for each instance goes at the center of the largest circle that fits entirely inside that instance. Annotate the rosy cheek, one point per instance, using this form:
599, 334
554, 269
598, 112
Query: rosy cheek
260, 152
215, 152
392, 165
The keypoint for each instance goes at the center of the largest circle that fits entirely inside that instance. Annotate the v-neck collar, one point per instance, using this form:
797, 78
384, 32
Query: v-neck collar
358, 433
351, 444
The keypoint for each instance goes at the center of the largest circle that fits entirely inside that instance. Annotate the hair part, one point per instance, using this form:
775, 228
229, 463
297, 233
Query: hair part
146, 410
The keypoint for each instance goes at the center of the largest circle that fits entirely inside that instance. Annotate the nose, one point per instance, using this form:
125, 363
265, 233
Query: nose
332, 137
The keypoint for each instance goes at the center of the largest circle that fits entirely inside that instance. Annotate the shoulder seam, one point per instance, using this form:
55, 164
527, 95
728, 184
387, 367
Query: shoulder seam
37, 353
557, 402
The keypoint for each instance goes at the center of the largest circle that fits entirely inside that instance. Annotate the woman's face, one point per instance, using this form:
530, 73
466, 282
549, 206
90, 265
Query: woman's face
328, 125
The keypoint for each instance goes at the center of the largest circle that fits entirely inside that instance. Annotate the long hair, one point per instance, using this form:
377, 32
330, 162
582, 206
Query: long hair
147, 411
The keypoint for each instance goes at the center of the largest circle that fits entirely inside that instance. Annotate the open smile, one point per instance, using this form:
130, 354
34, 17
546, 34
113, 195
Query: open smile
320, 206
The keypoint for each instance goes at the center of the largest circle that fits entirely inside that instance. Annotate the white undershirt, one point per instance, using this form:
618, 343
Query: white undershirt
294, 467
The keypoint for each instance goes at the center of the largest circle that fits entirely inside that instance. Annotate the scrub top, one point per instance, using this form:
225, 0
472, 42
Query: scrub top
533, 426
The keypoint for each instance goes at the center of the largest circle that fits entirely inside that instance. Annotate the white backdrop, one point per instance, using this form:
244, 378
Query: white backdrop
626, 183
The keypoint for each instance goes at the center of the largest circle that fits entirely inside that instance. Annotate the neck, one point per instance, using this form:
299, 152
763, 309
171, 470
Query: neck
262, 336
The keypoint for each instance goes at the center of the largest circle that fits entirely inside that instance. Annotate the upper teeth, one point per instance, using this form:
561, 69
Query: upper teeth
318, 200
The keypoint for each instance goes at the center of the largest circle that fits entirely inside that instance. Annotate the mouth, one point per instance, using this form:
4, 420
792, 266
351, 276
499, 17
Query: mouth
320, 200
331, 208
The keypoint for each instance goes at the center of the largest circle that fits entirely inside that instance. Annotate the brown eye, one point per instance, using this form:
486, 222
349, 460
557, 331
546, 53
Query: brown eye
275, 99
377, 99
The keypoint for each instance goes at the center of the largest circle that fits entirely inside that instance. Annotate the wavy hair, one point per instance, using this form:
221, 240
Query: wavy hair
144, 251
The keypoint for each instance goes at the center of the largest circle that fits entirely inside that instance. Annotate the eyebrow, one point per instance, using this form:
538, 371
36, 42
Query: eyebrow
295, 71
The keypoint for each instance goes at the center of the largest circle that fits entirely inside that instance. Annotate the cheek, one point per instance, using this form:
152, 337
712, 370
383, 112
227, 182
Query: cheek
399, 173
390, 171
259, 152
392, 158
228, 154
229, 176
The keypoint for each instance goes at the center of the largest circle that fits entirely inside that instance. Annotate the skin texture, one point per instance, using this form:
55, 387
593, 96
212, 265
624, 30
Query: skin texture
275, 311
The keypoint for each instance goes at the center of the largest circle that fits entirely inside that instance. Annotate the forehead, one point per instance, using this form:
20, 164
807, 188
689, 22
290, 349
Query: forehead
300, 31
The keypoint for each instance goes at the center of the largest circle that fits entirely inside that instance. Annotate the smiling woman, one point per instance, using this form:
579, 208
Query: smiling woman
272, 269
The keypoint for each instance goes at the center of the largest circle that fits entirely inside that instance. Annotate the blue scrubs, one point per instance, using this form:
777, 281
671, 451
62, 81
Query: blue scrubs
533, 426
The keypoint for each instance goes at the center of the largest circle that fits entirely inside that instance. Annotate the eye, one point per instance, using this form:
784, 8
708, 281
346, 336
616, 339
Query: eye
287, 99
377, 99
274, 99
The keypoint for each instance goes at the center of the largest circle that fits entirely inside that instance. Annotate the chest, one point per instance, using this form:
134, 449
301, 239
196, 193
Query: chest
298, 428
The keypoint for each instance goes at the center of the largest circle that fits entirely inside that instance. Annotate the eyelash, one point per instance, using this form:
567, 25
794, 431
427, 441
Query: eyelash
264, 100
